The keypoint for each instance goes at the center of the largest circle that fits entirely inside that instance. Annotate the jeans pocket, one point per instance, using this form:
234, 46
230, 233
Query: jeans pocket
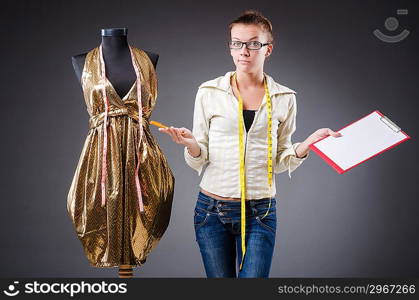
268, 221
200, 218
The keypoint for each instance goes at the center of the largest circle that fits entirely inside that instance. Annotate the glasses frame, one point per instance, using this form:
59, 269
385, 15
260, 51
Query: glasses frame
247, 45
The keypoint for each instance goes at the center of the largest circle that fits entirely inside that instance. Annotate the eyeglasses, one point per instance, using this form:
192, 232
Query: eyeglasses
252, 45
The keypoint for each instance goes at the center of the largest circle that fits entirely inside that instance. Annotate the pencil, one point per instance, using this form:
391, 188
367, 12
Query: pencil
155, 123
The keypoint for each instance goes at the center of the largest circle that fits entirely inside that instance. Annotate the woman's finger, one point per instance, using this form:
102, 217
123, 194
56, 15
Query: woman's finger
173, 131
170, 133
179, 136
182, 130
164, 130
333, 133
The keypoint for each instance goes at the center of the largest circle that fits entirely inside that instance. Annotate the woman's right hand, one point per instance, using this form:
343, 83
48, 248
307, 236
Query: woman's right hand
180, 135
185, 137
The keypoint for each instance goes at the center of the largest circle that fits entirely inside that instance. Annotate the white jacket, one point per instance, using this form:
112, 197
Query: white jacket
215, 128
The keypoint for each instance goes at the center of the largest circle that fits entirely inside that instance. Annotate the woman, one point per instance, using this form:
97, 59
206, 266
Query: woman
236, 205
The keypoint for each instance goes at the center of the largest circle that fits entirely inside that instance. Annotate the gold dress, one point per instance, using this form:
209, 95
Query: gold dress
124, 224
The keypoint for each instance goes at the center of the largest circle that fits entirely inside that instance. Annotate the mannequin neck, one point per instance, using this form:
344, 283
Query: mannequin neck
114, 41
117, 58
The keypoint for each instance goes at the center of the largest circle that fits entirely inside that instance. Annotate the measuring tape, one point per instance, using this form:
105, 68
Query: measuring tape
242, 170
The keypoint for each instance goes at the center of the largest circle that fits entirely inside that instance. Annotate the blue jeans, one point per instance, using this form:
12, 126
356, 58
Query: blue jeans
217, 230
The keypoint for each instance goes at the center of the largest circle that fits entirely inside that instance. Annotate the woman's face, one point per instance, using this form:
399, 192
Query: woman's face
249, 60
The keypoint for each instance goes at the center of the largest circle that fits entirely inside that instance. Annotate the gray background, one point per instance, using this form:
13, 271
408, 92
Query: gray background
362, 223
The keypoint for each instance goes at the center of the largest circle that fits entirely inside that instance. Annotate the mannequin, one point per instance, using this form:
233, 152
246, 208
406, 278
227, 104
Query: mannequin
120, 72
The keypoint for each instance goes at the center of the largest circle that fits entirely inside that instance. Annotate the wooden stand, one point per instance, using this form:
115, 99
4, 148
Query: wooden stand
125, 271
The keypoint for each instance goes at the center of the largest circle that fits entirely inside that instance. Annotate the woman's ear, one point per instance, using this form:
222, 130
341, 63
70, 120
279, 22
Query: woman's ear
269, 49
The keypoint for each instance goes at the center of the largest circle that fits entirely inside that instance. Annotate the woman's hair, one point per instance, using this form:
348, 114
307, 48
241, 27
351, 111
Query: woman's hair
256, 18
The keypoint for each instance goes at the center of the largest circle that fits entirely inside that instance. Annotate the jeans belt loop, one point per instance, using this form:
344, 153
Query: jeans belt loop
252, 206
211, 205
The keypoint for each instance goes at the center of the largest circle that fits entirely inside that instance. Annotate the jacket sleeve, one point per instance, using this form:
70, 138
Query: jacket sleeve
200, 132
286, 158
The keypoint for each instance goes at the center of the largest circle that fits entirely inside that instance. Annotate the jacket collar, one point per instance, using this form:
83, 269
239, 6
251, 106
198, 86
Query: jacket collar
223, 83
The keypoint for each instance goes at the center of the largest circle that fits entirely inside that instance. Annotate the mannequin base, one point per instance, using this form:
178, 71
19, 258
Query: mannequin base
125, 271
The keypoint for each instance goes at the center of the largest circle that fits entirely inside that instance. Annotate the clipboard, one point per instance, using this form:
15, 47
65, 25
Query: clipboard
361, 140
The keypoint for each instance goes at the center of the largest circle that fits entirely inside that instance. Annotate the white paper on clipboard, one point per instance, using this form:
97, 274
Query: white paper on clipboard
360, 140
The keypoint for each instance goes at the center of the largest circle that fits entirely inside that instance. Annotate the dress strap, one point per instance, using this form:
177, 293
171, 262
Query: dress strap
140, 125
105, 131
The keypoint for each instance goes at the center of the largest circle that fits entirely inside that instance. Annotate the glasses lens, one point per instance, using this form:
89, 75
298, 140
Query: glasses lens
254, 45
235, 44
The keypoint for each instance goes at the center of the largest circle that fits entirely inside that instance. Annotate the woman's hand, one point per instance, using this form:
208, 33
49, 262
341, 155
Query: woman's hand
185, 137
179, 135
323, 132
304, 148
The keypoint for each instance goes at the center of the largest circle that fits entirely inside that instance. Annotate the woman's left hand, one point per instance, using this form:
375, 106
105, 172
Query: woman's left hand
303, 148
321, 133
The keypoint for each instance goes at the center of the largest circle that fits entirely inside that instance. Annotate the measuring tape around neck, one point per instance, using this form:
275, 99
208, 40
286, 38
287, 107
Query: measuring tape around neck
242, 169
